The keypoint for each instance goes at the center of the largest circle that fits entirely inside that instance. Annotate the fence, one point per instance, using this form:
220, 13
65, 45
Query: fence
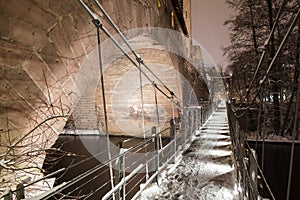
135, 167
142, 162
246, 163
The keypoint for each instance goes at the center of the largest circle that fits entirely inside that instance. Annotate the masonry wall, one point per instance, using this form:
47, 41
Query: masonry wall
43, 46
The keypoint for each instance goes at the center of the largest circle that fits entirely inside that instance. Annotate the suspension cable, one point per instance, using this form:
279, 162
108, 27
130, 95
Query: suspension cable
156, 104
282, 43
116, 28
128, 56
261, 173
132, 61
267, 42
157, 112
263, 134
170, 91
173, 112
130, 48
93, 170
293, 143
258, 120
143, 113
273, 60
86, 183
98, 24
95, 17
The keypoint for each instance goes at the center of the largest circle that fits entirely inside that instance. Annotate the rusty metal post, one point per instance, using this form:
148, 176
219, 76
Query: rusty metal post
155, 149
252, 166
119, 174
173, 137
20, 191
201, 116
8, 194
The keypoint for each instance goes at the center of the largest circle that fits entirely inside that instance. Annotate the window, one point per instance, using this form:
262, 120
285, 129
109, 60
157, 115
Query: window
172, 20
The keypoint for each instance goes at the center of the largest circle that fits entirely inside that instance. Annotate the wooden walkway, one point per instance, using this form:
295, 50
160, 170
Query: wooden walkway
206, 170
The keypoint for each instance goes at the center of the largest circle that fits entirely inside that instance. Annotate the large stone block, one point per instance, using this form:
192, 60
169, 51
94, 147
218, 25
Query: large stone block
52, 39
30, 12
13, 53
27, 34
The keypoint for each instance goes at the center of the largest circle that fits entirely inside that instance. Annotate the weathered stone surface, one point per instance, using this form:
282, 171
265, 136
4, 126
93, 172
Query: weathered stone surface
50, 57
12, 53
27, 34
4, 24
44, 46
28, 11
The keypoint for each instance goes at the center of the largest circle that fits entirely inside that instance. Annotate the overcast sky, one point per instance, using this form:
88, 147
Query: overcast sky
208, 17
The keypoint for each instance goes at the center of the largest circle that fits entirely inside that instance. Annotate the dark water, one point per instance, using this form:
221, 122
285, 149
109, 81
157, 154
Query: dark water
75, 153
276, 168
75, 150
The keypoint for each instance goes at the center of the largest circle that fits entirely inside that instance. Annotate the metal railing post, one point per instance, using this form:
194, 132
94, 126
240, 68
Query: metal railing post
253, 167
155, 150
8, 194
123, 175
201, 116
173, 137
190, 121
187, 129
119, 175
194, 121
185, 126
20, 191
197, 118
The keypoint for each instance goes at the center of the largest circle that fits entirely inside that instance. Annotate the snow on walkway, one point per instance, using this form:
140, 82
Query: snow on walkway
206, 169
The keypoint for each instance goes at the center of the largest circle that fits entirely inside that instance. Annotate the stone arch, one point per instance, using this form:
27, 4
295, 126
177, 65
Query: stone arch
122, 88
43, 45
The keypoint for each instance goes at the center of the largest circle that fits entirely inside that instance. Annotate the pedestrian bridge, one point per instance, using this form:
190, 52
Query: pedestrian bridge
174, 151
205, 170
200, 156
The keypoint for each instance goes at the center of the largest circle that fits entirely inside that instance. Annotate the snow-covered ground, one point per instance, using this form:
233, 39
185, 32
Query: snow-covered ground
206, 170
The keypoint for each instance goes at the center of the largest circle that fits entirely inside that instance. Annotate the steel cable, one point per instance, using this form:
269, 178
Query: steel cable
267, 42
293, 143
131, 49
273, 60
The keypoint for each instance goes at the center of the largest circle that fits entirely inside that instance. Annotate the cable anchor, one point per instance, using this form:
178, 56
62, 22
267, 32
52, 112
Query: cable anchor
97, 23
139, 59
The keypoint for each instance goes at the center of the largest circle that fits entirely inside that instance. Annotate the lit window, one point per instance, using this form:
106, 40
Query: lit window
172, 20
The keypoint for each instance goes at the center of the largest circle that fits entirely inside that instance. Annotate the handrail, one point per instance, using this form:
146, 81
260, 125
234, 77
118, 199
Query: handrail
160, 151
267, 42
99, 25
138, 58
125, 179
261, 173
93, 170
239, 153
161, 156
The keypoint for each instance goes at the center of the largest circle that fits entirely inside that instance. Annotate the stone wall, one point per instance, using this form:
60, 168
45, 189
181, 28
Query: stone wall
44, 45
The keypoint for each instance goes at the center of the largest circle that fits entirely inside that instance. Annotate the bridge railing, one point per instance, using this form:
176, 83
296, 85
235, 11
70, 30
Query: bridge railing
142, 162
160, 155
133, 168
246, 162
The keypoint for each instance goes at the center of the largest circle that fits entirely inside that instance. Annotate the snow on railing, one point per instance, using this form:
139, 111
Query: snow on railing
248, 169
130, 165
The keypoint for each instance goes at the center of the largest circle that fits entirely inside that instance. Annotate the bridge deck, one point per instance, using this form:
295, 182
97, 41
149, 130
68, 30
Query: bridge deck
206, 170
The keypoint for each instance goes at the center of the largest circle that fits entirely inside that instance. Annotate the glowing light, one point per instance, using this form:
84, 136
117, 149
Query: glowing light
237, 189
211, 143
214, 136
214, 152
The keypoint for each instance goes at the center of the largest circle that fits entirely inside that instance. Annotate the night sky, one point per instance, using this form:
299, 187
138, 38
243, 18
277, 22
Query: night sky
208, 17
